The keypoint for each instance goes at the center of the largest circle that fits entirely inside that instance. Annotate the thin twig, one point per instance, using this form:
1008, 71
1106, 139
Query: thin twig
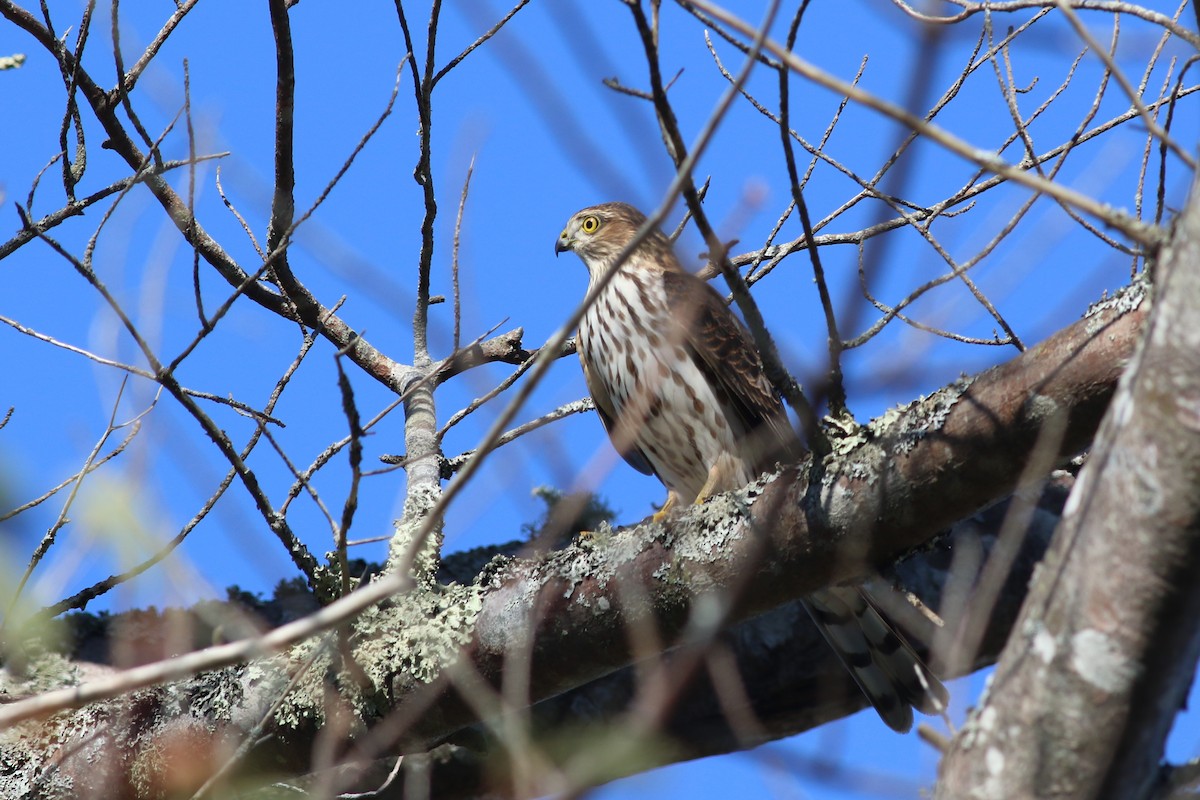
1112, 6
80, 599
1122, 221
350, 505
61, 520
580, 406
454, 62
462, 204
1134, 98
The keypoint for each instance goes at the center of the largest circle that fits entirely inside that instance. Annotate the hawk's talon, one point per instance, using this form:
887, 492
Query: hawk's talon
661, 515
716, 478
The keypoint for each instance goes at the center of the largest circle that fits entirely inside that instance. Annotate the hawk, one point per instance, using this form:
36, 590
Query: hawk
681, 390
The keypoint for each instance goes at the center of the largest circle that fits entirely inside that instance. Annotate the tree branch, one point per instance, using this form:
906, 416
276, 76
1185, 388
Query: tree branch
791, 681
1109, 645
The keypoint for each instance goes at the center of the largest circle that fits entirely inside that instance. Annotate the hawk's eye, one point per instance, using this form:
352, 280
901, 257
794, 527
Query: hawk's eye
590, 224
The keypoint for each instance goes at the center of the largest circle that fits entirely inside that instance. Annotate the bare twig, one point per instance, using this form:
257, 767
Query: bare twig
80, 599
1134, 97
462, 204
1113, 6
580, 406
1131, 227
454, 62
350, 505
181, 10
90, 463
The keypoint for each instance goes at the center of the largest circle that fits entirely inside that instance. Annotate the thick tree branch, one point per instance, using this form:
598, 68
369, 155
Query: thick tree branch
790, 681
1109, 642
930, 465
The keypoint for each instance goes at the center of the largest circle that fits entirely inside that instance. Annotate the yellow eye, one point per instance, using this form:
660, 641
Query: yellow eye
590, 224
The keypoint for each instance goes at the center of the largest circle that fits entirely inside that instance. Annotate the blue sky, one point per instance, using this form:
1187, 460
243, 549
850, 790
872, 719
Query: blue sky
546, 138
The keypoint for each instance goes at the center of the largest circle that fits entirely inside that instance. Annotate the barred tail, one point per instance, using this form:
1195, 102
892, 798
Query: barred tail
883, 664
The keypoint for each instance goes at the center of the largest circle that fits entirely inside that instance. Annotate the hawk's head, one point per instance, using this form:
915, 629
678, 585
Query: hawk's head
599, 233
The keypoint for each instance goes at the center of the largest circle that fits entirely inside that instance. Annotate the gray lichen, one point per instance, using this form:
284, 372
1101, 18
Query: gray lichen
29, 751
417, 537
905, 426
406, 642
710, 528
1126, 299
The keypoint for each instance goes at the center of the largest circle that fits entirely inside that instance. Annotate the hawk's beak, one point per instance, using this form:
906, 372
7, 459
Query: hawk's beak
563, 244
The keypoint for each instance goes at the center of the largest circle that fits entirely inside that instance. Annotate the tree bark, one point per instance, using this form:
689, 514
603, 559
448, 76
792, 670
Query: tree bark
786, 679
1084, 696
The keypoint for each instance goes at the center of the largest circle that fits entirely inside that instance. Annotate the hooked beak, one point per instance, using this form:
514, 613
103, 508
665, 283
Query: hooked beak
564, 243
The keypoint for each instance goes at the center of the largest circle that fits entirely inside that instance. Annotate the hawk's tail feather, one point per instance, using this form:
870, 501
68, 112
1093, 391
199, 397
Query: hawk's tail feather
885, 667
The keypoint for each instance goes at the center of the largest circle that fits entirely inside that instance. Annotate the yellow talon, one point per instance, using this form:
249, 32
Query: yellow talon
721, 477
665, 511
710, 486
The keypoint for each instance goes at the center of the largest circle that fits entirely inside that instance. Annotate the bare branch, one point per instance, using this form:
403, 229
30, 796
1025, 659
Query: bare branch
81, 599
181, 10
1105, 654
90, 463
1134, 229
462, 204
1134, 97
580, 406
1112, 6
454, 62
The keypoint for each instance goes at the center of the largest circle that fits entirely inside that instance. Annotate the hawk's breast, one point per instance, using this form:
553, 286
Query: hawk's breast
635, 352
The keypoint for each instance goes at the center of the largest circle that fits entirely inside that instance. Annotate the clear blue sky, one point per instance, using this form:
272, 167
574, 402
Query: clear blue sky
547, 138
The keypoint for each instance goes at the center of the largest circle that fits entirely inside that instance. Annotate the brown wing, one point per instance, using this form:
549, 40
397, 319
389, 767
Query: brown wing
604, 407
724, 350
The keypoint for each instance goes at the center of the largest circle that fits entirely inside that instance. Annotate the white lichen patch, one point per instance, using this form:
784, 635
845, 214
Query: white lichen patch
845, 438
713, 526
1097, 659
987, 719
415, 540
1044, 645
907, 425
993, 760
22, 774
214, 695
598, 557
993, 784
407, 642
1041, 407
42, 672
27, 748
1123, 300
694, 536
974, 731
418, 635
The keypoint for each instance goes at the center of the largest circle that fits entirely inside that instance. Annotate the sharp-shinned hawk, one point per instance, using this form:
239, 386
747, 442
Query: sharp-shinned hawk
681, 391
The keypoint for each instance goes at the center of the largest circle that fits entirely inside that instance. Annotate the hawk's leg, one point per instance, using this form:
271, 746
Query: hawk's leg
725, 474
664, 512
